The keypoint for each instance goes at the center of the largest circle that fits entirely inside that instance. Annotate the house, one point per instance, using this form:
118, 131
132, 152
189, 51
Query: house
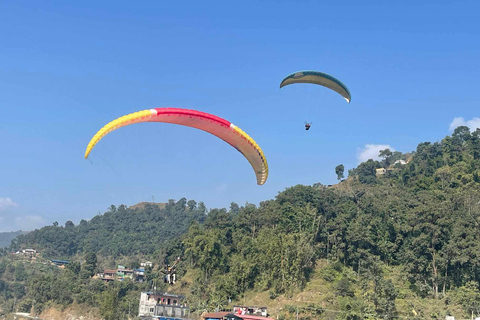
239, 313
158, 305
402, 162
109, 274
380, 171
146, 264
216, 315
226, 315
122, 273
251, 310
139, 274
249, 317
30, 253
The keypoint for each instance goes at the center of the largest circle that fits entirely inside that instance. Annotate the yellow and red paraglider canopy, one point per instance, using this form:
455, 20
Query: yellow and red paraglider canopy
217, 126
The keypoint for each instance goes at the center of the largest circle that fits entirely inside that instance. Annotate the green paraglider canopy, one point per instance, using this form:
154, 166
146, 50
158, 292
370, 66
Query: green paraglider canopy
319, 78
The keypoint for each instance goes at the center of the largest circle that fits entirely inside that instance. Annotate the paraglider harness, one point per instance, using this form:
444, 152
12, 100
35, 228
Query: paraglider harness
307, 125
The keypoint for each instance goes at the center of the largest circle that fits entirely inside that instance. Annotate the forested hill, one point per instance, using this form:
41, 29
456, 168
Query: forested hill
7, 237
119, 231
420, 218
400, 242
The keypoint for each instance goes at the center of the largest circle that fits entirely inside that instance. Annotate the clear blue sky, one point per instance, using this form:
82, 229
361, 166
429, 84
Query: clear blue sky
68, 68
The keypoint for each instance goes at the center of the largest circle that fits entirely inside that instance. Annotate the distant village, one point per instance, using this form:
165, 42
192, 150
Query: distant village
119, 274
153, 304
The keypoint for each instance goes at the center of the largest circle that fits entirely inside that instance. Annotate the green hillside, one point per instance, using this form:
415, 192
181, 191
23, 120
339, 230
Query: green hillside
118, 232
382, 244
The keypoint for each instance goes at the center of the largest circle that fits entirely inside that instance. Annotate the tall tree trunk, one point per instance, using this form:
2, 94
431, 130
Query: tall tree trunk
435, 277
445, 280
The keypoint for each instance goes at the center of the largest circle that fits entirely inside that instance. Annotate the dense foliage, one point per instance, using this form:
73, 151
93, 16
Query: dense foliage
33, 286
118, 232
420, 216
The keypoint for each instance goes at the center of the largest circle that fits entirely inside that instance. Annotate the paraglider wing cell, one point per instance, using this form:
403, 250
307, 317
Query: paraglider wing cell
217, 126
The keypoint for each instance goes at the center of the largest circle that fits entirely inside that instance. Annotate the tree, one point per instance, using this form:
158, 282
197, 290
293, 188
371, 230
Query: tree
234, 208
20, 273
90, 265
469, 297
384, 296
74, 266
344, 288
386, 155
352, 173
339, 170
109, 305
366, 171
192, 205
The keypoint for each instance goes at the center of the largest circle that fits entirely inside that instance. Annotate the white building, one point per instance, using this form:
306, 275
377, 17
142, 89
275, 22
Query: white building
146, 264
154, 305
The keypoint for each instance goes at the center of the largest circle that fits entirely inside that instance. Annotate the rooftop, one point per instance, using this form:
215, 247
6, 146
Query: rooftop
59, 261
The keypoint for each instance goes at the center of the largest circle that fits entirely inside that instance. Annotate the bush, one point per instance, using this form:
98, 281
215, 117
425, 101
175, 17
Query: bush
329, 274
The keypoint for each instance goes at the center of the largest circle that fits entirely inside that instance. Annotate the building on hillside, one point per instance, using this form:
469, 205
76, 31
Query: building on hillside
30, 253
239, 313
146, 264
402, 162
60, 263
231, 316
250, 310
216, 315
123, 273
154, 305
139, 274
380, 171
109, 274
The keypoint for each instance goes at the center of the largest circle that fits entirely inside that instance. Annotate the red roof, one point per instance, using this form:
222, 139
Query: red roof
220, 315
215, 315
250, 317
